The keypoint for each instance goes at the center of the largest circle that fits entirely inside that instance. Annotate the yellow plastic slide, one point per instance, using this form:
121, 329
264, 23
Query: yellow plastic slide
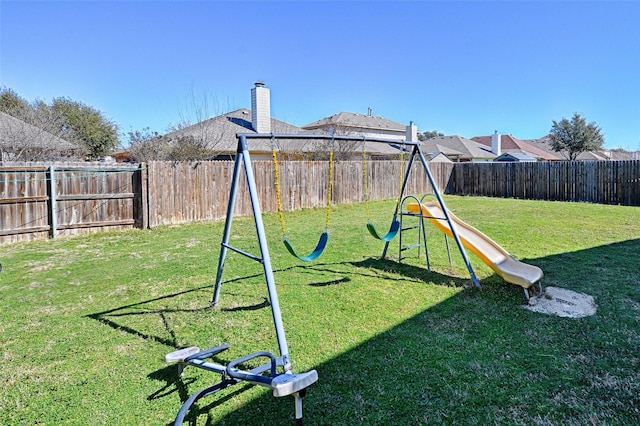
511, 270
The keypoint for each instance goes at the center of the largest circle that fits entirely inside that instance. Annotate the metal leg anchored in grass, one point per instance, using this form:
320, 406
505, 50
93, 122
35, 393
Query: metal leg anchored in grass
283, 384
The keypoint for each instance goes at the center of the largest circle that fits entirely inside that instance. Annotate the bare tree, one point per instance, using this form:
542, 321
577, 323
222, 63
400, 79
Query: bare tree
197, 133
342, 150
146, 145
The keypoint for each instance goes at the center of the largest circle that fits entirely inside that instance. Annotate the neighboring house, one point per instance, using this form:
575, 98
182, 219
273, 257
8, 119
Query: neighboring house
501, 144
366, 126
621, 155
458, 149
21, 141
437, 157
515, 157
349, 123
544, 143
219, 134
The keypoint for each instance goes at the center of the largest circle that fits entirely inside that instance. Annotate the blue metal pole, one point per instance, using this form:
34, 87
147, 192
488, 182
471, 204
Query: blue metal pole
266, 259
227, 226
474, 279
401, 196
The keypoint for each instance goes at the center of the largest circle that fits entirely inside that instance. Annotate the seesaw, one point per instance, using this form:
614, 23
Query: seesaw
283, 384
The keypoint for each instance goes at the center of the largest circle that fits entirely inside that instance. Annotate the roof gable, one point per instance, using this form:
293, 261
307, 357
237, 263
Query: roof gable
359, 121
220, 133
19, 134
509, 143
458, 146
517, 156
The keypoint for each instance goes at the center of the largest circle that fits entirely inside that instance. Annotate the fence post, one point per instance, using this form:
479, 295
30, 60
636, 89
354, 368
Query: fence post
144, 195
52, 207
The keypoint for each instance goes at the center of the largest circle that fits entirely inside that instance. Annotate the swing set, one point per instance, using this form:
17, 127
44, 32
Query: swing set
277, 373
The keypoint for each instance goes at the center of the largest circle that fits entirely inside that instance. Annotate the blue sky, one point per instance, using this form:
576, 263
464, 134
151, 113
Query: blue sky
465, 68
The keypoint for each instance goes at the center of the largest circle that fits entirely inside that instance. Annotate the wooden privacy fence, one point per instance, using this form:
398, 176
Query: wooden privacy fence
185, 192
603, 182
43, 201
38, 201
46, 201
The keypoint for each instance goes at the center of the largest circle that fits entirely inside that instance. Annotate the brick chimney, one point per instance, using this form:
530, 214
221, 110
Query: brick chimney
495, 143
261, 108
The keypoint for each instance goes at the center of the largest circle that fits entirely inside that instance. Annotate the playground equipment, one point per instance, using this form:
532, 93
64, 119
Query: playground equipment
243, 160
277, 374
419, 227
324, 237
395, 224
491, 253
281, 384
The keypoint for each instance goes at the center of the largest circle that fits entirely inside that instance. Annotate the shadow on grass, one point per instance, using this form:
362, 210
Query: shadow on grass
480, 358
410, 272
475, 358
174, 383
109, 317
265, 304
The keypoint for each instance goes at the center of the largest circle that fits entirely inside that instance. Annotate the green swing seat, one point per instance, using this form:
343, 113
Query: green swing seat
322, 243
393, 231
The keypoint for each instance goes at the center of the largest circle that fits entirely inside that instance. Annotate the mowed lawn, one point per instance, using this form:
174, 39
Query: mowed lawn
85, 322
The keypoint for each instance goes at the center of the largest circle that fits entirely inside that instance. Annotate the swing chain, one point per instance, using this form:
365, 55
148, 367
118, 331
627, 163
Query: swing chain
278, 191
365, 178
401, 179
330, 184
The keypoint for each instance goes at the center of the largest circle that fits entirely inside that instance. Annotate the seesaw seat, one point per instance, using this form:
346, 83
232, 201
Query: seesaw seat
288, 384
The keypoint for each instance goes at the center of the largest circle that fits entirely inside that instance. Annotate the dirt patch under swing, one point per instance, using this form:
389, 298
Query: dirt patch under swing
563, 303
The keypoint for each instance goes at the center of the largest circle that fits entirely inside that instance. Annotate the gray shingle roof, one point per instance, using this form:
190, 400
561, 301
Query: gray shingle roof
513, 155
360, 121
456, 146
510, 144
220, 133
17, 134
544, 143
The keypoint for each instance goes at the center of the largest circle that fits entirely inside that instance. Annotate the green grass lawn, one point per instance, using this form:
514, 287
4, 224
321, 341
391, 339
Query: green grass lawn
85, 323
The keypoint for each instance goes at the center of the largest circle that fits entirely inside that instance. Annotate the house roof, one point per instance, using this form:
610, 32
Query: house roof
617, 154
508, 144
19, 135
457, 146
544, 143
517, 156
359, 121
437, 157
220, 133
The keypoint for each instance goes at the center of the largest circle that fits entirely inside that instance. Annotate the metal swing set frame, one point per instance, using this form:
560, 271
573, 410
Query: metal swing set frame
277, 374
